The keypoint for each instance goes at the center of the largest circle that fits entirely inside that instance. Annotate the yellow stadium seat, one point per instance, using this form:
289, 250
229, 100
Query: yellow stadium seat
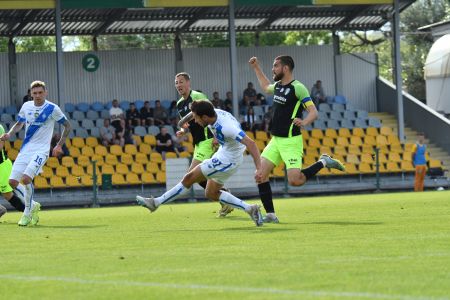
150, 140
382, 157
407, 166
17, 144
122, 169
356, 132
342, 141
329, 142
396, 148
87, 151
317, 133
383, 149
152, 167
386, 131
137, 168
126, 158
171, 155
91, 141
115, 150
12, 153
185, 154
381, 140
305, 134
62, 171
330, 132
47, 172
99, 160
111, 159
118, 179
101, 150
393, 167
325, 150
67, 161
351, 169
261, 136
145, 148
87, 180
83, 161
156, 157
352, 158
74, 152
308, 160
260, 144
106, 169
73, 181
162, 166
148, 178
132, 178
161, 177
370, 140
313, 152
344, 132
68, 143
408, 147
367, 158
371, 131
190, 138
407, 156
381, 168
365, 168
77, 171
394, 157
356, 140
137, 140
130, 149
40, 182
352, 149
341, 150
278, 172
78, 142
367, 149
250, 134
7, 145
189, 147
53, 162
141, 158
57, 182
314, 143
435, 163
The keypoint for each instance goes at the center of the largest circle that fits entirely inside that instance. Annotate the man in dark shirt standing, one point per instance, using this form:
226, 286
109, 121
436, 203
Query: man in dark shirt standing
164, 142
133, 116
202, 136
290, 99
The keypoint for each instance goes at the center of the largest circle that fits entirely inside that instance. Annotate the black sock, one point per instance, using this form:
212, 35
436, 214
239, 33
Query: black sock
312, 169
203, 184
265, 193
17, 203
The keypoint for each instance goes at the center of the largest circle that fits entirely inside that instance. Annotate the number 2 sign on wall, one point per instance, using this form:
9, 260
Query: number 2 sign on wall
90, 62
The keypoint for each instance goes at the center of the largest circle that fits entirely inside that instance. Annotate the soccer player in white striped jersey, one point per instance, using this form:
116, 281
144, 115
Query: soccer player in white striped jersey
39, 117
220, 166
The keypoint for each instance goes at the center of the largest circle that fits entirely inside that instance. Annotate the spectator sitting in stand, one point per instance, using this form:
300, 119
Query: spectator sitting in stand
133, 116
266, 120
249, 94
160, 114
173, 112
116, 113
124, 136
216, 101
317, 93
107, 133
164, 142
147, 114
260, 99
250, 121
55, 139
228, 103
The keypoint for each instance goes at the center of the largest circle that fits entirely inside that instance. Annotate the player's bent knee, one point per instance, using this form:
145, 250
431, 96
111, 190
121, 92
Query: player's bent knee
13, 183
26, 179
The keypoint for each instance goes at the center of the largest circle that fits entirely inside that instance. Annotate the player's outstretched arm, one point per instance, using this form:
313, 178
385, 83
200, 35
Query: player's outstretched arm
254, 152
262, 78
14, 129
66, 130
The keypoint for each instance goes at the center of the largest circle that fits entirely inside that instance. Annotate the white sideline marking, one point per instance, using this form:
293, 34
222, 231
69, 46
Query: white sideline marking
219, 288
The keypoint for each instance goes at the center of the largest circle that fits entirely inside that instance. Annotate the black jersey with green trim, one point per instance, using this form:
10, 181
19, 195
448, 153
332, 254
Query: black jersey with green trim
289, 101
198, 132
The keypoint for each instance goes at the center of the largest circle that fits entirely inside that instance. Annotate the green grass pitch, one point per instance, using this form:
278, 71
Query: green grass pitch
378, 246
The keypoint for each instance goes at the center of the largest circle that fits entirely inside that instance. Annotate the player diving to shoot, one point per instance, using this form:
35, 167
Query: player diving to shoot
217, 169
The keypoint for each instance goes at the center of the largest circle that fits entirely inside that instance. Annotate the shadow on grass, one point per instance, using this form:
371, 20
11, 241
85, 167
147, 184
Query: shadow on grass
69, 226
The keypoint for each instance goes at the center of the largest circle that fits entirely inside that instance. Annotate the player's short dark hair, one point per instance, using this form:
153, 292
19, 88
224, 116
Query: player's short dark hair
38, 83
185, 75
286, 60
203, 108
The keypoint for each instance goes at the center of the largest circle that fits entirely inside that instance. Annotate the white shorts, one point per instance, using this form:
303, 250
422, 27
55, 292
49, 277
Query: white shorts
218, 171
29, 164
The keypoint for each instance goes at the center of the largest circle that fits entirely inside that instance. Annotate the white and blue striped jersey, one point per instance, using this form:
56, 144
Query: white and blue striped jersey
229, 134
39, 123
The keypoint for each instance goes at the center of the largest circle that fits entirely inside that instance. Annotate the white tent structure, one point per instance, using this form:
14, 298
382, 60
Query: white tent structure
437, 75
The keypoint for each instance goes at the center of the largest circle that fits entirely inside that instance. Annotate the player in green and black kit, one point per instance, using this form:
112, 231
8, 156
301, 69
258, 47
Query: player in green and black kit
13, 196
202, 136
290, 99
